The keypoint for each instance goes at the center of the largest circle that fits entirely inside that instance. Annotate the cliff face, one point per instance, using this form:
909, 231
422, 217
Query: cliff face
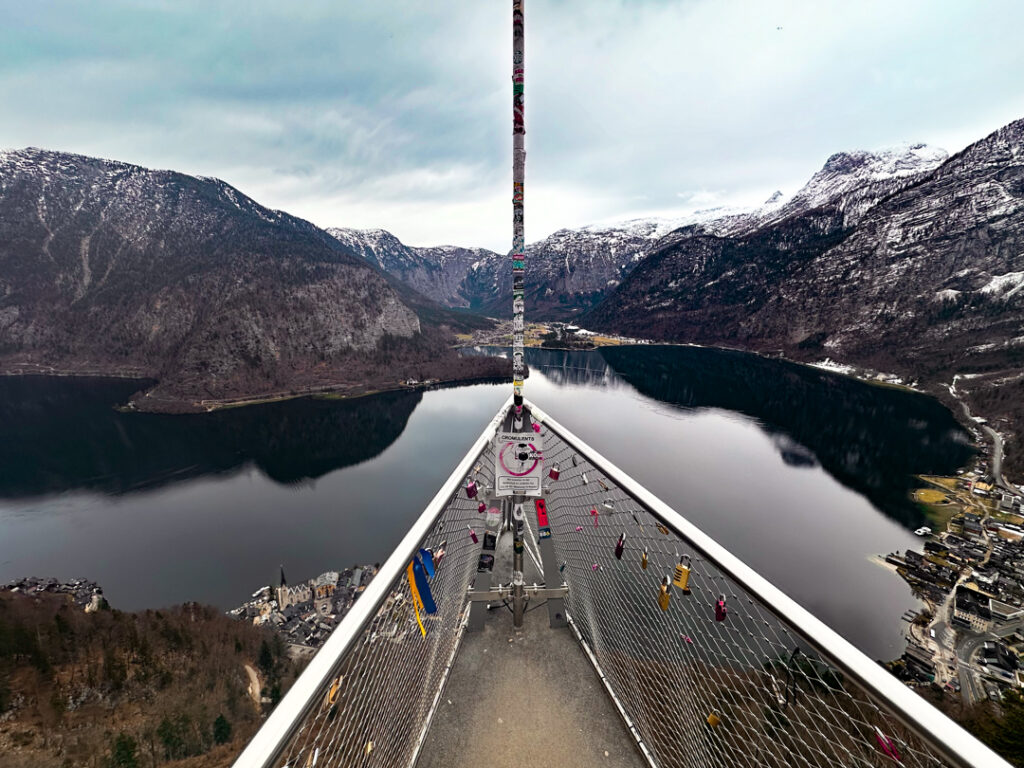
568, 272
926, 278
572, 270
906, 270
112, 267
438, 272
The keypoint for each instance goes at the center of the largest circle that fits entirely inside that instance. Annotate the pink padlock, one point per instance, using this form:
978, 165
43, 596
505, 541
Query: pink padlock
536, 427
472, 535
470, 488
481, 507
553, 472
720, 609
886, 744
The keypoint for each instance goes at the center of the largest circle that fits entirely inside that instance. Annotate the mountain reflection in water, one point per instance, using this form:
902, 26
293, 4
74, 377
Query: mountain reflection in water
800, 473
871, 438
62, 434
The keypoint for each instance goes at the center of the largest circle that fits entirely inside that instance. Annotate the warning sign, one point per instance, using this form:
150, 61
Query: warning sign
518, 463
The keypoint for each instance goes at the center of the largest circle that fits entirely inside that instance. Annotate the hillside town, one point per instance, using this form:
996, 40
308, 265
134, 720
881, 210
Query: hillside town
304, 614
85, 594
969, 638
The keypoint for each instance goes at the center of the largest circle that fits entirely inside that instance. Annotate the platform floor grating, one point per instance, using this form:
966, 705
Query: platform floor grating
527, 698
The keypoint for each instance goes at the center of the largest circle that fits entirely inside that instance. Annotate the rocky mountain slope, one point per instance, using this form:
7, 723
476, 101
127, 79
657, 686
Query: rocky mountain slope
109, 267
918, 273
572, 270
569, 271
437, 272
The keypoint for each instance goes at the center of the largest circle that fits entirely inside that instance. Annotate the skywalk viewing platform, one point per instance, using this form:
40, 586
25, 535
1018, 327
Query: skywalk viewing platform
525, 697
675, 653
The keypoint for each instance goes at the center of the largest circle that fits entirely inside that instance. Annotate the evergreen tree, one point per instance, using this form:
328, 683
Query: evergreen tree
123, 752
266, 661
221, 730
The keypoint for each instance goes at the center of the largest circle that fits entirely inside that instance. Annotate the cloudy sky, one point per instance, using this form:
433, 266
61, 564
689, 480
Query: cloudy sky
396, 113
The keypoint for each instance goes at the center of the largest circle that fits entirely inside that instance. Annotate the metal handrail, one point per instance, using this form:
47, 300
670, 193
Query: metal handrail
938, 731
272, 738
941, 735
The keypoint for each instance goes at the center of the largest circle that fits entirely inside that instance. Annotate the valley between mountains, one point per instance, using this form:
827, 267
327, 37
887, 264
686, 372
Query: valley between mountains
904, 260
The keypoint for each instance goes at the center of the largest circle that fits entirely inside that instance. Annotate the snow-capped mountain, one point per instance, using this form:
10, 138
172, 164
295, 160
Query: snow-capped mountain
852, 181
572, 270
109, 267
438, 272
896, 260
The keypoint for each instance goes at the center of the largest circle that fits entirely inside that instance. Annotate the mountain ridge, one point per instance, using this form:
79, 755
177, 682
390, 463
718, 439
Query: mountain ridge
923, 284
573, 269
110, 266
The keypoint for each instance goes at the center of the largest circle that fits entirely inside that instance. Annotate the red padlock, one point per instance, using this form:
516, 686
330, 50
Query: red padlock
470, 488
542, 513
553, 472
720, 609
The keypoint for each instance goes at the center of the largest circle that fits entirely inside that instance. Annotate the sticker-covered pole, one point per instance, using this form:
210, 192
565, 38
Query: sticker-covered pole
518, 177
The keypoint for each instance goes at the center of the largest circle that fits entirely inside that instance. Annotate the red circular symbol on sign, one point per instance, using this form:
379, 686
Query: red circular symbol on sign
517, 463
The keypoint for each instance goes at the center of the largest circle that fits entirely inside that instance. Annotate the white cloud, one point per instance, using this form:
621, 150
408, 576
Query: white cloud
396, 113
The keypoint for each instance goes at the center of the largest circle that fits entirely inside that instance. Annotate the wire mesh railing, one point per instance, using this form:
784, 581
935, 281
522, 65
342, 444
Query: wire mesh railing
367, 697
714, 668
709, 664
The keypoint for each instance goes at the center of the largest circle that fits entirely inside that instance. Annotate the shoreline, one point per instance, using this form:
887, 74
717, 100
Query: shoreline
972, 423
209, 405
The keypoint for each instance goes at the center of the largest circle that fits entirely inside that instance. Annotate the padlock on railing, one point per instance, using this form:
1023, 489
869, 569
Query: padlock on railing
682, 574
472, 535
584, 475
620, 546
471, 489
643, 559
663, 594
886, 744
714, 720
481, 507
720, 609
553, 472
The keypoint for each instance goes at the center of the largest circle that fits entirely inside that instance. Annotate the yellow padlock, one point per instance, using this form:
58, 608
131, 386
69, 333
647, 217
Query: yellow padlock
643, 559
682, 575
714, 720
663, 594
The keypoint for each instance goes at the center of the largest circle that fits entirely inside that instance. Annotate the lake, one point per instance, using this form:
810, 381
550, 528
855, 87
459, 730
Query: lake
801, 473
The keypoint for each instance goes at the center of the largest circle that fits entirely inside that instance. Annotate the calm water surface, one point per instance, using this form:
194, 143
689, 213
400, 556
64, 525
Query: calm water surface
801, 473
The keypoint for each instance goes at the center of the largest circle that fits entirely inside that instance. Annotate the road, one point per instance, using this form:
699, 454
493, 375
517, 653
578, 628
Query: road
971, 687
255, 689
997, 460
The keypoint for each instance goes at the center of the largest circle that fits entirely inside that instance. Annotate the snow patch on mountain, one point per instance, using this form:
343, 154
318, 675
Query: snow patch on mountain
844, 171
1005, 285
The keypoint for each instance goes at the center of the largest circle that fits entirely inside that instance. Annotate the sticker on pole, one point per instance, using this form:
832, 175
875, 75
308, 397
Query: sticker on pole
518, 463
